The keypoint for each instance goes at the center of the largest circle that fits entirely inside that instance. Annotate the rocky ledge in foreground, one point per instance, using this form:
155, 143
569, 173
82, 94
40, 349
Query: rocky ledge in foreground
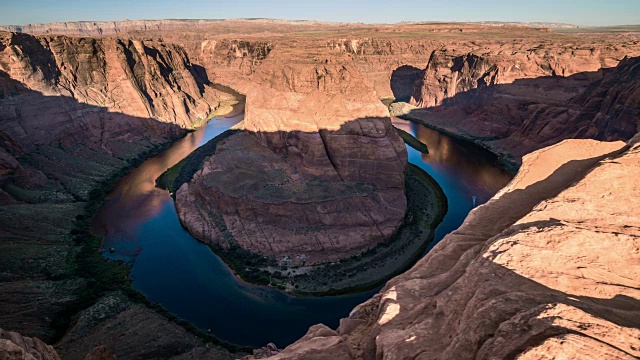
548, 266
15, 346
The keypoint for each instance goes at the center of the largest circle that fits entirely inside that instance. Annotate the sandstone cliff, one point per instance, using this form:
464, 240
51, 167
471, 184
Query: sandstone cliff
393, 57
90, 98
100, 28
548, 266
122, 97
445, 76
132, 77
450, 71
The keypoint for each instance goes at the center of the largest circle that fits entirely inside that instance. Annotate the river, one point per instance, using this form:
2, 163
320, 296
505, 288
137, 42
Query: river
172, 268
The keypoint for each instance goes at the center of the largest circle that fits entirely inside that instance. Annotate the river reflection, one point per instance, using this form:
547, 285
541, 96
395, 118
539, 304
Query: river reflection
136, 199
172, 268
468, 174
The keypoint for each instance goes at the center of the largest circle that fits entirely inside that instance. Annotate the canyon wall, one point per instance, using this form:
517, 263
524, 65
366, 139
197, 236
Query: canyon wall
103, 28
517, 52
394, 59
76, 113
455, 70
99, 28
528, 114
89, 104
132, 77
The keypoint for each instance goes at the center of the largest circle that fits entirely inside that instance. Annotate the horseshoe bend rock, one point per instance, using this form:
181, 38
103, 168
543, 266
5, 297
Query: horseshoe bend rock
317, 174
270, 204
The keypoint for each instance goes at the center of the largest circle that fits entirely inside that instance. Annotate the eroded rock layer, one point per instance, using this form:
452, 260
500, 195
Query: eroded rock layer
133, 77
511, 88
273, 206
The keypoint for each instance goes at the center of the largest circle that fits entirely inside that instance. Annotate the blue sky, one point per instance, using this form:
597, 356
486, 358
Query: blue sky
581, 12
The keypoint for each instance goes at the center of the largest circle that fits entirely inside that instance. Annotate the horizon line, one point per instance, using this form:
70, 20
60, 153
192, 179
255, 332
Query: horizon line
333, 22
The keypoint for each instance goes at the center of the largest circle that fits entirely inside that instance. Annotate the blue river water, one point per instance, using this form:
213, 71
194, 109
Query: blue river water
172, 268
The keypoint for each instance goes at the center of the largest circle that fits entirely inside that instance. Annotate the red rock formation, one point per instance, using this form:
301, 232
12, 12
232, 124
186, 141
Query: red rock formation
90, 96
74, 112
101, 28
318, 176
511, 281
449, 73
132, 77
447, 76
610, 108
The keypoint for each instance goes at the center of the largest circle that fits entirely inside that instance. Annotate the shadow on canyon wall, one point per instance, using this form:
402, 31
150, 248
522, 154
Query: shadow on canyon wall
620, 310
471, 305
403, 80
58, 158
513, 314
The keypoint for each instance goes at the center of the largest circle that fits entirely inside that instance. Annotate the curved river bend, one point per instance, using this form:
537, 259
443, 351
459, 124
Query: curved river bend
172, 268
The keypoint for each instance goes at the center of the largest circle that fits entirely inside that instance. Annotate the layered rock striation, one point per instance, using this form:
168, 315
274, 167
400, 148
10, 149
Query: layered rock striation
101, 100
132, 77
514, 280
445, 76
104, 28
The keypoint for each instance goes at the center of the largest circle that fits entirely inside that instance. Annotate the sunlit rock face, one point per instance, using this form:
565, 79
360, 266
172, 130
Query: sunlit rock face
547, 266
121, 97
139, 78
457, 69
316, 175
513, 117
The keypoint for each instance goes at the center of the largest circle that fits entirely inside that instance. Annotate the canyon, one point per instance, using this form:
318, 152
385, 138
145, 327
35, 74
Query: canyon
549, 264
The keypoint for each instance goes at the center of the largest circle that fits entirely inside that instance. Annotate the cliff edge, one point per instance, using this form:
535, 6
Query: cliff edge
547, 266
